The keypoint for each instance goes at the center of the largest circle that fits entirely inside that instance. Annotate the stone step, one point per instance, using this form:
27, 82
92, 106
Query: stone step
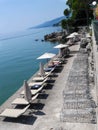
78, 104
78, 88
76, 96
78, 115
75, 91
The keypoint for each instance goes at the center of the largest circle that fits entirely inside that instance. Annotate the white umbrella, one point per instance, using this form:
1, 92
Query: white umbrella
28, 95
72, 35
61, 46
46, 56
41, 70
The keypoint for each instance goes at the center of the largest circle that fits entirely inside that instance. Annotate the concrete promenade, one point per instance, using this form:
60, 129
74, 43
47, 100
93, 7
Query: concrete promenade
47, 114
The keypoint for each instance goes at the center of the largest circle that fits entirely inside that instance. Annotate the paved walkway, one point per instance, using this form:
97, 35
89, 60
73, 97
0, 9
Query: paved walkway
79, 105
47, 115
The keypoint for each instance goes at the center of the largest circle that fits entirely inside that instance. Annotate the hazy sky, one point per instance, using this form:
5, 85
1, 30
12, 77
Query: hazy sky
17, 15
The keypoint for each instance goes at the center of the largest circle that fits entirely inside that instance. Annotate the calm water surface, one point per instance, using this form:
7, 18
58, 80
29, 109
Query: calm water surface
18, 53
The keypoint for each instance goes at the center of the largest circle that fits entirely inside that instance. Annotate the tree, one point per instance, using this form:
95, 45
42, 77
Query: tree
80, 10
67, 12
63, 24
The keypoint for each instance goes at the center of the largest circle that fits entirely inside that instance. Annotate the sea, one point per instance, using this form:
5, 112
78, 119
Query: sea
18, 57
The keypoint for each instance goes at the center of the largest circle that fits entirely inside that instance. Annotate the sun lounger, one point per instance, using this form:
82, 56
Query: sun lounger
38, 83
45, 74
23, 101
14, 113
35, 83
34, 91
42, 78
56, 62
38, 78
49, 69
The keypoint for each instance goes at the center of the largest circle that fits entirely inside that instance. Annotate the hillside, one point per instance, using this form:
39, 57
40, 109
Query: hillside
54, 22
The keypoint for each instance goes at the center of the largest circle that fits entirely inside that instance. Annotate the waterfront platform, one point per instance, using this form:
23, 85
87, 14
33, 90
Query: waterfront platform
48, 113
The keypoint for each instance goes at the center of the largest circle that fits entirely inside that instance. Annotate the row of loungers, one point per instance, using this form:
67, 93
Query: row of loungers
34, 88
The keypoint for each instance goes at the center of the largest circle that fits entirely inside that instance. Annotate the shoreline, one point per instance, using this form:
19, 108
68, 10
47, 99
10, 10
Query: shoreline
58, 81
65, 104
20, 64
15, 95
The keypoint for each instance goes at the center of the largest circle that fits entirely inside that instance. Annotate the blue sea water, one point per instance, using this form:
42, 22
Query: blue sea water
18, 53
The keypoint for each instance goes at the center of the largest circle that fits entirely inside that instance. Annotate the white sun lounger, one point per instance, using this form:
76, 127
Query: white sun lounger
38, 78
23, 101
38, 83
42, 79
14, 113
35, 83
33, 91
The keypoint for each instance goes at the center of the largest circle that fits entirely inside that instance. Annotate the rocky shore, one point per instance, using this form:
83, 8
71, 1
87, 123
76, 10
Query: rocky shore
55, 36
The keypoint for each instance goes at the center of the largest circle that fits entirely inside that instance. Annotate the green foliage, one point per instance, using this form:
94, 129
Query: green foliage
63, 24
75, 5
81, 13
66, 12
67, 24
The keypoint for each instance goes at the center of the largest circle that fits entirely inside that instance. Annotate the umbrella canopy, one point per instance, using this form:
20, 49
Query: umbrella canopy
46, 56
41, 70
72, 35
61, 46
28, 95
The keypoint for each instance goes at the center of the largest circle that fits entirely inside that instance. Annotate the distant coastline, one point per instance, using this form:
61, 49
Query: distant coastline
51, 23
